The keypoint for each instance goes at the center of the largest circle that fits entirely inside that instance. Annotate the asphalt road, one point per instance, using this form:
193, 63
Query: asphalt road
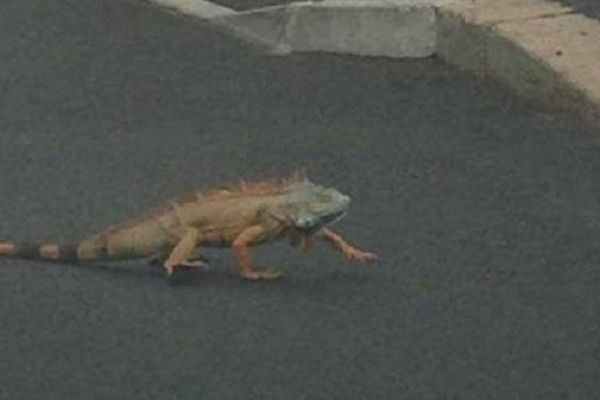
485, 213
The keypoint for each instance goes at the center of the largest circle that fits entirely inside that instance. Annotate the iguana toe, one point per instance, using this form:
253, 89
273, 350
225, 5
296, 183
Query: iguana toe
262, 275
170, 268
361, 256
367, 257
193, 264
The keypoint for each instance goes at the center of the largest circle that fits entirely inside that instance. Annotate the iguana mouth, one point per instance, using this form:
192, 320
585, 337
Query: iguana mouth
325, 220
331, 218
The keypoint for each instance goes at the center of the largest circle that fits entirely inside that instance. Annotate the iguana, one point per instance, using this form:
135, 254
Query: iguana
239, 216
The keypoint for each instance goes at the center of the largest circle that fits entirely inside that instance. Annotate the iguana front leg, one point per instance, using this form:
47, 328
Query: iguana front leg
340, 244
241, 247
180, 254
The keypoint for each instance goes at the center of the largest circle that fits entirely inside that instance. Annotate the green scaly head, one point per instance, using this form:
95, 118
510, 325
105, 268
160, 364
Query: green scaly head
308, 207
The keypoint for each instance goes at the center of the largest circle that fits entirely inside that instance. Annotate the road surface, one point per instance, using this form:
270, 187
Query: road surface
485, 213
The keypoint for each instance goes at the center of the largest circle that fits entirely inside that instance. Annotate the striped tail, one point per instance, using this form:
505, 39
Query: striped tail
73, 252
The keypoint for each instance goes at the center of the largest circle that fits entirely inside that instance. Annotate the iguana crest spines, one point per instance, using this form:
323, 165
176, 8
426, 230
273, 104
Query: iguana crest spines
245, 189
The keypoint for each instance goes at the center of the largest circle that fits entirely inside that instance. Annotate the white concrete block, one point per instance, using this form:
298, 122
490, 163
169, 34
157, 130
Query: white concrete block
370, 28
265, 26
198, 8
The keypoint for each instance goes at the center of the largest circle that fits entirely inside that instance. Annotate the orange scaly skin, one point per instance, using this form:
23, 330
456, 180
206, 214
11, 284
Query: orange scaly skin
239, 217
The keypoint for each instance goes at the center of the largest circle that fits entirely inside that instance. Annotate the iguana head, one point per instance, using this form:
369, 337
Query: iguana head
309, 206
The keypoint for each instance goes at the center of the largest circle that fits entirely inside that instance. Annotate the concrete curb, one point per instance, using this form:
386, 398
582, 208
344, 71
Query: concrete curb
197, 8
265, 26
538, 48
367, 27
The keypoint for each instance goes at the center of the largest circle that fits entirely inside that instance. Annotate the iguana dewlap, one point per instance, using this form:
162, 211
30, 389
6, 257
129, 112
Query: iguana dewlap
238, 217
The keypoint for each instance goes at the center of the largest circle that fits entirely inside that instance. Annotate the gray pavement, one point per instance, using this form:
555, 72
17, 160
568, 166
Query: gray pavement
484, 211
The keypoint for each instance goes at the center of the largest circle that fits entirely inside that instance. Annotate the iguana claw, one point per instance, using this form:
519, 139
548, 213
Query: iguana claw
362, 256
186, 264
261, 275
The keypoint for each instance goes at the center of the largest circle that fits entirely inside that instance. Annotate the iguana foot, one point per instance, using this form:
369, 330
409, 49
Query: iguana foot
161, 260
170, 268
193, 264
354, 254
366, 257
261, 275
349, 251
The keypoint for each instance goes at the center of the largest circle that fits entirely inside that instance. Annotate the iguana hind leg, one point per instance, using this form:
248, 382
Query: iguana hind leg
179, 256
241, 247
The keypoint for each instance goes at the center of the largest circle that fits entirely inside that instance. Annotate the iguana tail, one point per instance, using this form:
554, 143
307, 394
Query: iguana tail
86, 250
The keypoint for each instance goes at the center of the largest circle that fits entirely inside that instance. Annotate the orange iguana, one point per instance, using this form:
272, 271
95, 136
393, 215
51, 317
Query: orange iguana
237, 217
